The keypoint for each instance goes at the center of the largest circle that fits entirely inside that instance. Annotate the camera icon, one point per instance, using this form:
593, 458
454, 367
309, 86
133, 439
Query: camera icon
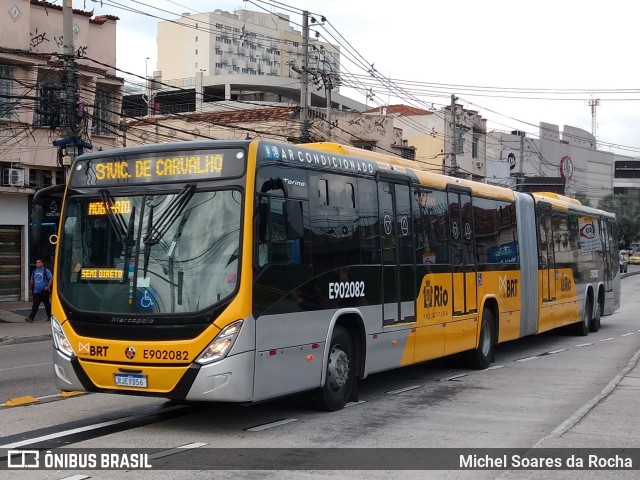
23, 459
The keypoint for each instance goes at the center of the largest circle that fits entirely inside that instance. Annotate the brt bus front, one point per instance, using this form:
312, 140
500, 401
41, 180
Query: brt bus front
148, 296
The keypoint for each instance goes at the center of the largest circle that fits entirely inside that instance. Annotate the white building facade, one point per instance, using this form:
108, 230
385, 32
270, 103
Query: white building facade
570, 154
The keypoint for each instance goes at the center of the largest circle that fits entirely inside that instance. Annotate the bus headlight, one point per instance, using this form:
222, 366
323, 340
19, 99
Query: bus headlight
60, 340
221, 345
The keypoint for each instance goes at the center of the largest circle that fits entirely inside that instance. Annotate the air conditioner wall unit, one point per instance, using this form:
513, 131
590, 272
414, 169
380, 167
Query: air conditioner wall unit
14, 177
479, 164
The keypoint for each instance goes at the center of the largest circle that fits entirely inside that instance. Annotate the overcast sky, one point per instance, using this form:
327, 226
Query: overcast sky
489, 54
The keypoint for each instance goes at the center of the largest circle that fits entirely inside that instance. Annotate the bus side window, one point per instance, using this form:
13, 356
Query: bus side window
272, 242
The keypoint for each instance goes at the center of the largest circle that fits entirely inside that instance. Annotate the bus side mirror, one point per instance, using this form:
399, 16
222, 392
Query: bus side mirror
294, 225
36, 224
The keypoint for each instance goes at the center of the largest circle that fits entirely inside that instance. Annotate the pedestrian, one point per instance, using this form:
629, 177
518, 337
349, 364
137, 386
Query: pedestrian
40, 285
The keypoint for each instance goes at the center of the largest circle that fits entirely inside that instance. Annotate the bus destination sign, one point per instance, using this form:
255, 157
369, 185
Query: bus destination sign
158, 167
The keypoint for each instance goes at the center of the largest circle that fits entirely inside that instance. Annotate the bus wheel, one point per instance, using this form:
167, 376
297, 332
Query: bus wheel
581, 329
340, 373
595, 321
481, 357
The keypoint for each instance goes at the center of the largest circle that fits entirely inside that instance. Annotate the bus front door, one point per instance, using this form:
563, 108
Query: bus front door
461, 331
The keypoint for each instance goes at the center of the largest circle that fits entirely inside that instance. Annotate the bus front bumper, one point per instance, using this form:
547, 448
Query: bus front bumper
228, 380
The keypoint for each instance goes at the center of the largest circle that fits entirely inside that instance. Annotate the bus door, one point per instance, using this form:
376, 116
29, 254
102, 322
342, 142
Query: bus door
463, 255
462, 331
607, 255
546, 267
398, 271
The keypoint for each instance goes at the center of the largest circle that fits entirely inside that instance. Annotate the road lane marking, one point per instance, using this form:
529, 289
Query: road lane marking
25, 366
453, 377
87, 428
402, 390
173, 451
627, 334
584, 344
605, 339
266, 426
527, 359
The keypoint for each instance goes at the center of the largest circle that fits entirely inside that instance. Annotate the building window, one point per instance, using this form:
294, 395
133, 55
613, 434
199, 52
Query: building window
50, 104
196, 51
6, 76
474, 147
365, 145
196, 38
408, 153
102, 113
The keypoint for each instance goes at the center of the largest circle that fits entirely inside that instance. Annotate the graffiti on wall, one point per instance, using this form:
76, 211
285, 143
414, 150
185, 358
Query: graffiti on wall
37, 39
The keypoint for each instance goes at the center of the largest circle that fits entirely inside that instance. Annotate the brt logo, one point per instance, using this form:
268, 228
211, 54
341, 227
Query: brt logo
435, 296
508, 287
565, 284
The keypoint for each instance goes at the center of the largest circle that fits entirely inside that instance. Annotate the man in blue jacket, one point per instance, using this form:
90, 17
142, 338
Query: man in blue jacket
40, 285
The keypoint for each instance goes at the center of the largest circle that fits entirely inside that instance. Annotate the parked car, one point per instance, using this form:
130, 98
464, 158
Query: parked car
623, 263
634, 259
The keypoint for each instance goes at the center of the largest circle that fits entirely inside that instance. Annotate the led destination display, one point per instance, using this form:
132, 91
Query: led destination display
150, 168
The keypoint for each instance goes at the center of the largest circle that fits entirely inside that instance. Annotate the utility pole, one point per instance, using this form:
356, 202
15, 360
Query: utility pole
594, 103
72, 145
304, 79
328, 86
71, 90
454, 137
521, 173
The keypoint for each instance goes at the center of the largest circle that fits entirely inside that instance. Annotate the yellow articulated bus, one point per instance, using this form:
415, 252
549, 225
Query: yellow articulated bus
241, 271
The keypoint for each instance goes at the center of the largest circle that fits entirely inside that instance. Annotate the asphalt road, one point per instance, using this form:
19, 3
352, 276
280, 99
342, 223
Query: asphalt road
537, 387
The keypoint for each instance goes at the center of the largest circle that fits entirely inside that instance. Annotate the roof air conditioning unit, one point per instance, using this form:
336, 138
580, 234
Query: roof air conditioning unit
13, 177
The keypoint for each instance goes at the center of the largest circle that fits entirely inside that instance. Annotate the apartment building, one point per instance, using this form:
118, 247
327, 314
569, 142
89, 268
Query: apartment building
242, 43
34, 113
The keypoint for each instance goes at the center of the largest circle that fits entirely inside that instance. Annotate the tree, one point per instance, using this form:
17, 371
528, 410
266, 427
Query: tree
583, 199
627, 211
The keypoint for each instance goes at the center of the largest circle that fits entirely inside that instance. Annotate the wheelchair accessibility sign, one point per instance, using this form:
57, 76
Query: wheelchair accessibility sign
146, 299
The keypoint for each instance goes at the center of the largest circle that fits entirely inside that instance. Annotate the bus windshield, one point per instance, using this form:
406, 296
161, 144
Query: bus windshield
142, 254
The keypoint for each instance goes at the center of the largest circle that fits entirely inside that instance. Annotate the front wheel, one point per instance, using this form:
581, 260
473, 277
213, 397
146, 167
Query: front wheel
340, 373
481, 357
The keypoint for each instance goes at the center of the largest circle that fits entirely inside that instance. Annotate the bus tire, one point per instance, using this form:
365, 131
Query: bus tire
594, 326
581, 329
481, 357
340, 373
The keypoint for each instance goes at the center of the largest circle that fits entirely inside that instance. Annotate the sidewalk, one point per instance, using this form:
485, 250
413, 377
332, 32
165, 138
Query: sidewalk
14, 328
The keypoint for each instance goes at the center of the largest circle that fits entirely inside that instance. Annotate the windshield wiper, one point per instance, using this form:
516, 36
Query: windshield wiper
116, 219
169, 216
155, 232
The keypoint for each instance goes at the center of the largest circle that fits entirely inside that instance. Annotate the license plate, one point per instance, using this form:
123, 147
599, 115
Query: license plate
131, 380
